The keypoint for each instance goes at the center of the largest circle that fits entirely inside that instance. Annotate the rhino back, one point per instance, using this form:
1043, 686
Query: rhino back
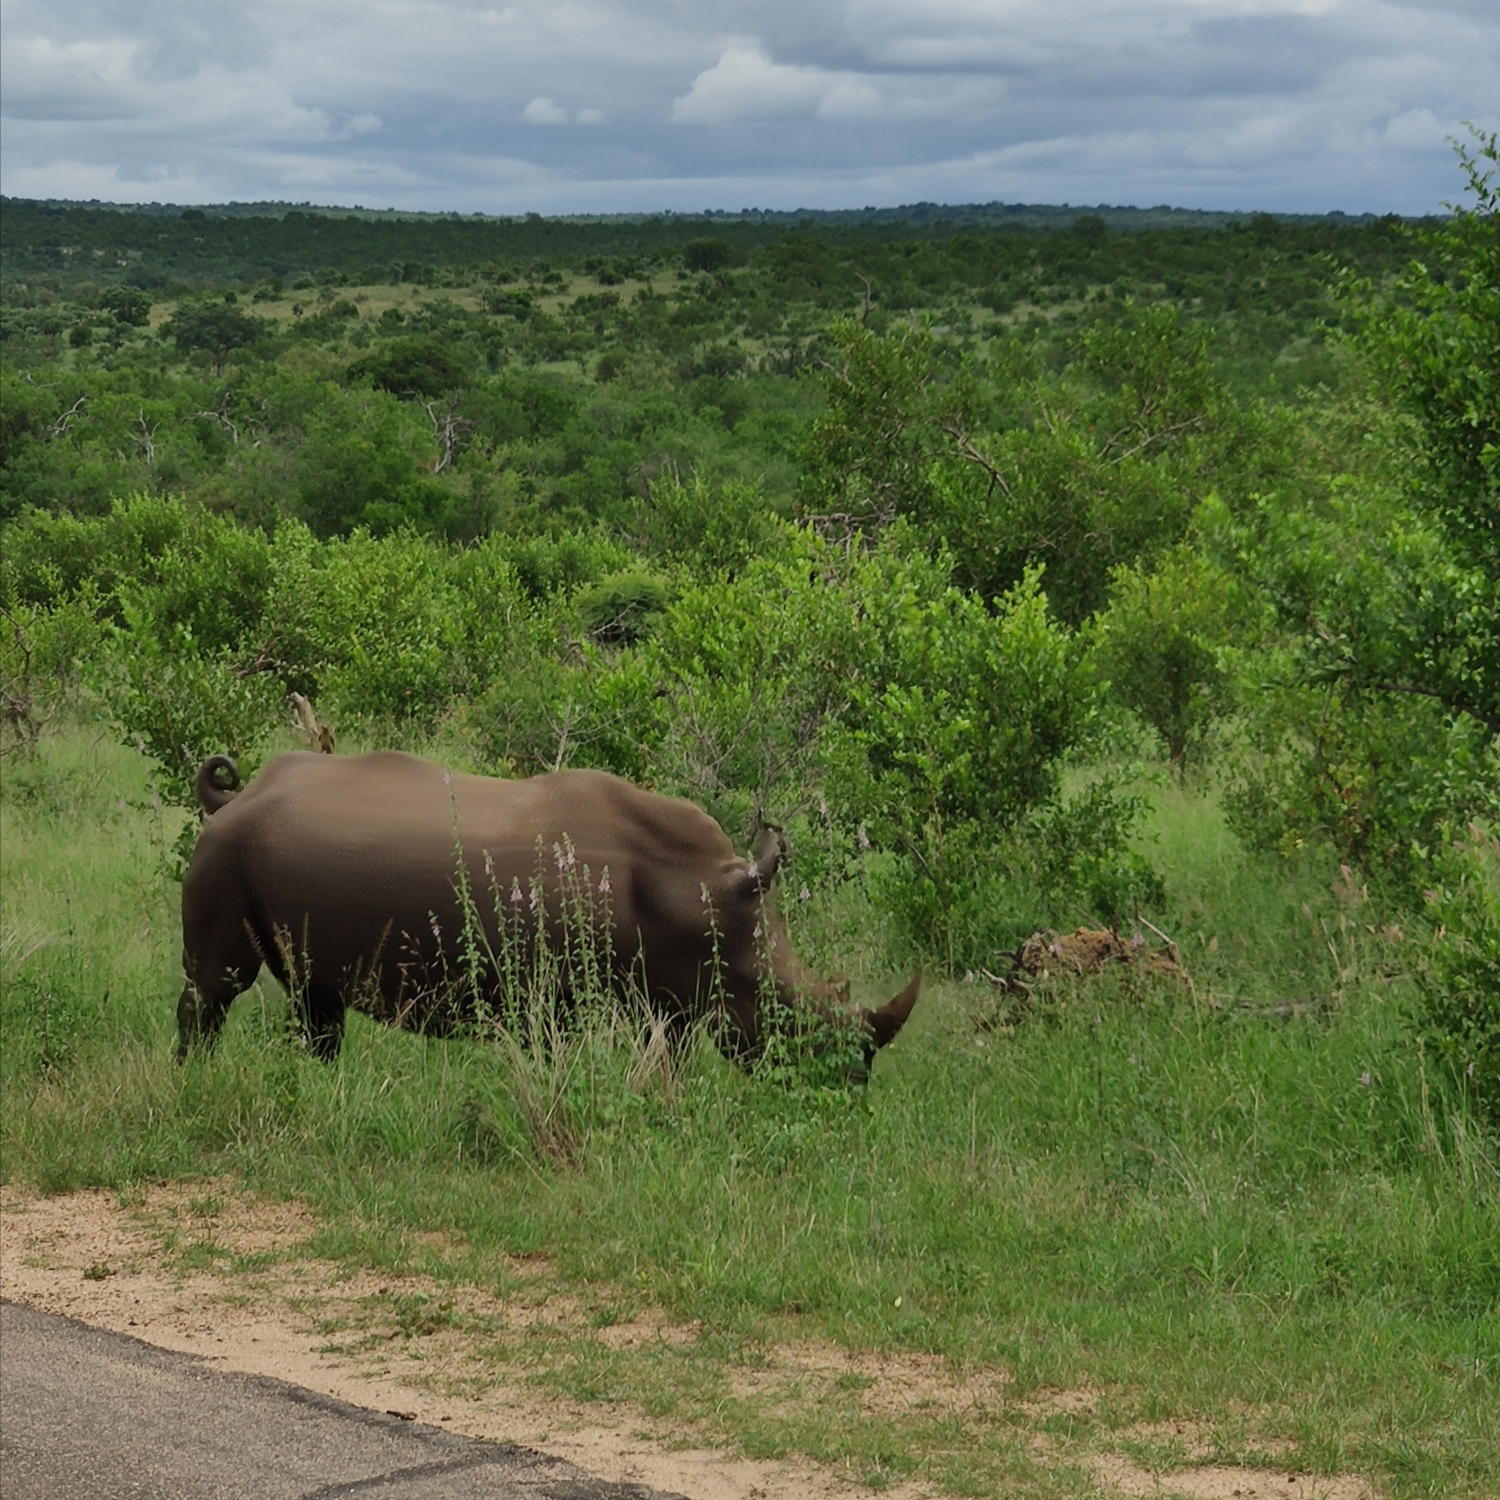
372, 840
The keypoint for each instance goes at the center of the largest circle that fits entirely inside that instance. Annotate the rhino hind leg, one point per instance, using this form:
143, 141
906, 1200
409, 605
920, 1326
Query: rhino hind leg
220, 959
206, 998
320, 1017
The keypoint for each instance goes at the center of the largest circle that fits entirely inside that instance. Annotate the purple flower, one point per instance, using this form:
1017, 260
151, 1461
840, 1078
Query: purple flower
437, 931
604, 884
534, 898
489, 865
515, 891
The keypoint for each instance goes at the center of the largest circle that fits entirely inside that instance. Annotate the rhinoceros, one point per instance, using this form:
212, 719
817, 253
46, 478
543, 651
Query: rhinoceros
418, 896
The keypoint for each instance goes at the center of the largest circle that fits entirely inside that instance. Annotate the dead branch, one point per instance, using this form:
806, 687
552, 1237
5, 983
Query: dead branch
147, 439
60, 426
970, 452
222, 418
320, 736
448, 429
1146, 442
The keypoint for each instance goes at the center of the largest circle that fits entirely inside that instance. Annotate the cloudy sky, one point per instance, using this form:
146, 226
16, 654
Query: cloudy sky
606, 105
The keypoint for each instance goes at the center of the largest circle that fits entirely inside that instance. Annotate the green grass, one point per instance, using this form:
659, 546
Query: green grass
1186, 1202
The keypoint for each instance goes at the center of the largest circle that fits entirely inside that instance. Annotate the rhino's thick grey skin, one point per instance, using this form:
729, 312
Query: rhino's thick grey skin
346, 876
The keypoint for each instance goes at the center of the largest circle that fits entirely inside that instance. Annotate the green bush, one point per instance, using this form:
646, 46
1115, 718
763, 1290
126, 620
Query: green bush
620, 609
1159, 644
1458, 1014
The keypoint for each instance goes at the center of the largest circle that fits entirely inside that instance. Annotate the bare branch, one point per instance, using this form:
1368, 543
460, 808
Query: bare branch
969, 451
147, 439
1154, 437
448, 428
222, 417
60, 426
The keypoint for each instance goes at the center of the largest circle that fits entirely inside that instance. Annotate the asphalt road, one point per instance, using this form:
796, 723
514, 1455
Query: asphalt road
90, 1415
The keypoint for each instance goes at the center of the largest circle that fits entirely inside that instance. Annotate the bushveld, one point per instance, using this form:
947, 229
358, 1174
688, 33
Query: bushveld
1148, 586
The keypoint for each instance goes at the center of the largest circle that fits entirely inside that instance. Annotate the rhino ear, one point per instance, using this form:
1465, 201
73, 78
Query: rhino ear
770, 850
891, 1017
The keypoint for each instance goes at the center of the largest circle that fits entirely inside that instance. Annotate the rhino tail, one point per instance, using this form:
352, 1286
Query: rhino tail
217, 781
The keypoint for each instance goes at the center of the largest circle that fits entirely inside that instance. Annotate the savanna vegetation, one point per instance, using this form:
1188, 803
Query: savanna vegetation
1034, 572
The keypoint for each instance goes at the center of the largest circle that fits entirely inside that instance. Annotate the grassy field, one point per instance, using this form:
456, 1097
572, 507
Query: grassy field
1241, 1205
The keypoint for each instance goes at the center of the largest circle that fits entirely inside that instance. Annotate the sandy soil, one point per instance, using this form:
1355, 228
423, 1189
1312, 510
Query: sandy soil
148, 1270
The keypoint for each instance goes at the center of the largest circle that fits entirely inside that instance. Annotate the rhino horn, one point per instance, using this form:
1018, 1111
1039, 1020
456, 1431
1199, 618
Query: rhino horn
891, 1017
770, 850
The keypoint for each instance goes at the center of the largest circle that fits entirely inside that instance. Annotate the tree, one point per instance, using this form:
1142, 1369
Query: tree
414, 368
1436, 339
1157, 645
130, 305
707, 255
217, 327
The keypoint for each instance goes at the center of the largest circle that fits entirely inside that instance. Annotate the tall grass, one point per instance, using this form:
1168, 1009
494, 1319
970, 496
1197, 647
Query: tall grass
1244, 1195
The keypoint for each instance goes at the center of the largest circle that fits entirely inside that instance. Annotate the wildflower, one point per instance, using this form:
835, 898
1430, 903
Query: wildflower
534, 898
804, 894
571, 859
437, 932
864, 838
969, 977
823, 806
1469, 1071
515, 892
489, 865
1364, 1079
604, 884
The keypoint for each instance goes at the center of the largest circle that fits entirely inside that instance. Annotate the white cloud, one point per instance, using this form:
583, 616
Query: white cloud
544, 112
745, 85
590, 116
850, 100
1416, 129
87, 179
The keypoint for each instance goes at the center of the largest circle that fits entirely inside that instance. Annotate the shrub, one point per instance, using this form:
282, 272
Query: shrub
1458, 1013
619, 610
1158, 646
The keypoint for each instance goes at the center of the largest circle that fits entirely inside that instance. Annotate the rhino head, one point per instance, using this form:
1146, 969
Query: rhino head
759, 965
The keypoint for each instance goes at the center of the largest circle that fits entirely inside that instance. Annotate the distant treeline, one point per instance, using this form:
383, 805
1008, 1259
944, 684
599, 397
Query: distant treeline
155, 247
